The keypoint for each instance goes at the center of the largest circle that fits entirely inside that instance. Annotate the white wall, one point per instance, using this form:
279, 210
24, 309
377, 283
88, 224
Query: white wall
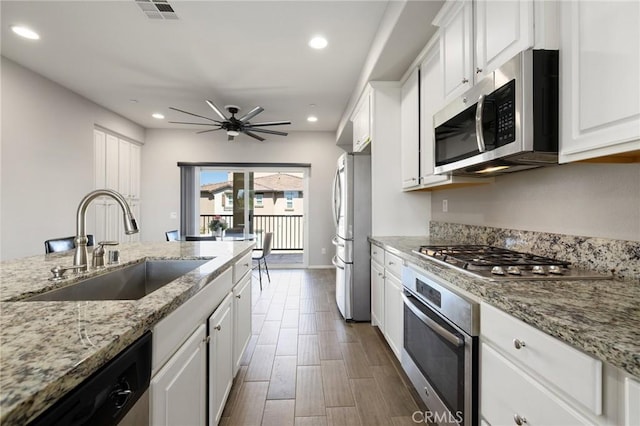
584, 199
47, 158
161, 176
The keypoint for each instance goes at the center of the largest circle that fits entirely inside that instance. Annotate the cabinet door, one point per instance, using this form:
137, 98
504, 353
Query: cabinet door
111, 163
362, 122
393, 313
410, 130
134, 171
178, 393
242, 319
431, 100
507, 392
220, 357
503, 28
124, 168
456, 34
377, 295
600, 65
99, 159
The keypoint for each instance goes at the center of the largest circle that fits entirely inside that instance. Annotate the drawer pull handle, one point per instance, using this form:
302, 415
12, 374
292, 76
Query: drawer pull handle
518, 344
519, 419
391, 263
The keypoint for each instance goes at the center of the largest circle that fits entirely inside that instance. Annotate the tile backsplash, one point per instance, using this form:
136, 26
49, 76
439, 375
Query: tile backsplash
622, 258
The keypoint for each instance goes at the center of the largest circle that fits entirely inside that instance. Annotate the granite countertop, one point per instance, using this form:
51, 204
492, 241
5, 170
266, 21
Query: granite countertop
599, 317
48, 348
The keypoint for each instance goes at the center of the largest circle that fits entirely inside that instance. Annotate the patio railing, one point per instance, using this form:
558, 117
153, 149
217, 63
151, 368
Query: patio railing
288, 230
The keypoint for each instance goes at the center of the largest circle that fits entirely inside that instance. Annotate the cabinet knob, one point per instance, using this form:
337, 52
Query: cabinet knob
379, 274
519, 419
478, 70
518, 344
239, 296
218, 327
375, 252
246, 265
465, 80
391, 263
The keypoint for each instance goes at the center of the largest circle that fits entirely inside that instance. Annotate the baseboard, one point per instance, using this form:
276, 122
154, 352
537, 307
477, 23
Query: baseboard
321, 267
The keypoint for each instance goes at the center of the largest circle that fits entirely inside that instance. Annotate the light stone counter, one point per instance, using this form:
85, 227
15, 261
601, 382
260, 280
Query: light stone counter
599, 317
48, 348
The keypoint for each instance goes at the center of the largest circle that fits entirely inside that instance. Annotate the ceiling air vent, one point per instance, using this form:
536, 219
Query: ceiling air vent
157, 9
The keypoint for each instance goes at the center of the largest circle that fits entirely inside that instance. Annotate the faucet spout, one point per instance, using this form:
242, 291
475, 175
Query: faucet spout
130, 225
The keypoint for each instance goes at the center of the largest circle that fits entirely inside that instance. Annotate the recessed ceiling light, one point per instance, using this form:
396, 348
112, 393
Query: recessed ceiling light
157, 116
312, 118
25, 32
318, 42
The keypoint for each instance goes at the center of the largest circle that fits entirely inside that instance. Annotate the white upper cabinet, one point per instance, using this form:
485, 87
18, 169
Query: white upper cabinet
410, 130
600, 79
362, 125
503, 28
476, 37
456, 40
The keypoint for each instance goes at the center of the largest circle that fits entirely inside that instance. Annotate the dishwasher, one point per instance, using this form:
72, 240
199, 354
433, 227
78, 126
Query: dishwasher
114, 395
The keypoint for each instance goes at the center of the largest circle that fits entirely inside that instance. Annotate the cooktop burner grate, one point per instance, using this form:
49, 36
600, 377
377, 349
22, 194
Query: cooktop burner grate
483, 257
498, 264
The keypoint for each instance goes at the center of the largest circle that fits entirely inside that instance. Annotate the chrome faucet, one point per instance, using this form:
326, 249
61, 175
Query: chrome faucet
130, 226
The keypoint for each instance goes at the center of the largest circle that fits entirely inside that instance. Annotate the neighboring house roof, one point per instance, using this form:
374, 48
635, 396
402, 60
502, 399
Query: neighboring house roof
277, 182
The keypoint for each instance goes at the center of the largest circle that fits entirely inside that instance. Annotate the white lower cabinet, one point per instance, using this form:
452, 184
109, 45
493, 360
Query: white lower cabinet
220, 358
178, 390
510, 396
377, 295
394, 314
241, 320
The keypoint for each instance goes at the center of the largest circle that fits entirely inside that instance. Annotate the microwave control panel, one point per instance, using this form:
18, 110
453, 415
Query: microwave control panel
505, 101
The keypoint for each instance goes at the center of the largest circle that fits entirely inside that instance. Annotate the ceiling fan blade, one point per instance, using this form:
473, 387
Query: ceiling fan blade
217, 110
268, 123
253, 135
210, 130
195, 115
230, 138
187, 122
271, 132
248, 116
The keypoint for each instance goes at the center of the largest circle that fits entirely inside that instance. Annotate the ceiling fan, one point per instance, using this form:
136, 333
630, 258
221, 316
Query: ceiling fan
234, 126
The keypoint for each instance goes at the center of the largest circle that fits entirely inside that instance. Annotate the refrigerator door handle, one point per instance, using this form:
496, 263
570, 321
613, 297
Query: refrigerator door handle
337, 196
336, 242
336, 263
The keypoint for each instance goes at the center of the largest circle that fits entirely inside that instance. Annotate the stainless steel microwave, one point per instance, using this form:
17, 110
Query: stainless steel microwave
507, 122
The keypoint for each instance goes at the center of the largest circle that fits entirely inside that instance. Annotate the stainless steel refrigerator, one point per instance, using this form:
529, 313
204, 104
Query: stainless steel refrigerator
352, 215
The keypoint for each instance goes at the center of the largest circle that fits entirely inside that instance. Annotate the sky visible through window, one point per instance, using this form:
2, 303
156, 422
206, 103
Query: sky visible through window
212, 176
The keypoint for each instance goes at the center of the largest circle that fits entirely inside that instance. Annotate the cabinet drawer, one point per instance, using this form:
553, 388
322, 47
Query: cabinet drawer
241, 267
377, 254
393, 264
545, 357
507, 392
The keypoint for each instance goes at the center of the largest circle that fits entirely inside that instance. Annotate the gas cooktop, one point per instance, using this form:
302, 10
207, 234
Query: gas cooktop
496, 264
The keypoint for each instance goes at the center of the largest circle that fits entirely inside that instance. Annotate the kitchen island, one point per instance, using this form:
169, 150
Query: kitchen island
48, 348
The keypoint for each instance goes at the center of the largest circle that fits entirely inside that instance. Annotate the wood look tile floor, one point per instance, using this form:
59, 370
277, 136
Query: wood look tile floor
306, 366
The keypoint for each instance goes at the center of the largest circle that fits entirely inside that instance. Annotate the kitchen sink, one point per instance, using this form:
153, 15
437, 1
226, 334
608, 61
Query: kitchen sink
129, 283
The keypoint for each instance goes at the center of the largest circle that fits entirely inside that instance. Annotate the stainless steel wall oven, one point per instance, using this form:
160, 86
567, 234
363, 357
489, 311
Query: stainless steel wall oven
440, 353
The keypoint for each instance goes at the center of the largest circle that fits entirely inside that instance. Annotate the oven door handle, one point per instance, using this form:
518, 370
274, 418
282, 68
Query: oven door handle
451, 338
479, 132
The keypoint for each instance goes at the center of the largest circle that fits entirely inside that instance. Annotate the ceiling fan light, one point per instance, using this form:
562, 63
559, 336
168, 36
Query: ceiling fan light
233, 133
318, 42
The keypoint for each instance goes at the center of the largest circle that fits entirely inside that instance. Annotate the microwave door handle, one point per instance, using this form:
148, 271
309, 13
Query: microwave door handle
451, 338
479, 132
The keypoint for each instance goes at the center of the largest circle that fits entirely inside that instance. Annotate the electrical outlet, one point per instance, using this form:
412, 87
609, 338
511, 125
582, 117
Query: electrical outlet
445, 206
323, 250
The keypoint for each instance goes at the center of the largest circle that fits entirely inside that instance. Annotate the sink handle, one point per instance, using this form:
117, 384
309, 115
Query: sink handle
97, 260
58, 271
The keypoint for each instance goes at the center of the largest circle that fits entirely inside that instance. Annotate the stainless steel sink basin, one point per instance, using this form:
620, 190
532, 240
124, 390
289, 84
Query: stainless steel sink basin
129, 283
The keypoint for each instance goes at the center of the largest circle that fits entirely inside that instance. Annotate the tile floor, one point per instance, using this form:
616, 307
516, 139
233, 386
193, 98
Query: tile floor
306, 366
